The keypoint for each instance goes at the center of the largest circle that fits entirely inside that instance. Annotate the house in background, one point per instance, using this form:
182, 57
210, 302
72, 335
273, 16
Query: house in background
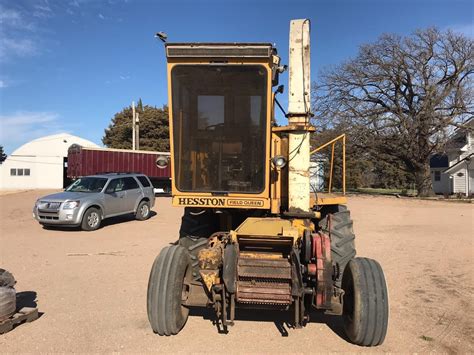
441, 182
453, 172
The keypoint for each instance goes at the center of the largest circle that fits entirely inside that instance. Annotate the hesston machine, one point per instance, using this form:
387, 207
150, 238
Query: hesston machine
251, 235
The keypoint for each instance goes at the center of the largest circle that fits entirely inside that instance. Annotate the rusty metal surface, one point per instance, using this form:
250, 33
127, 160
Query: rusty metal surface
210, 258
210, 278
264, 268
324, 270
261, 292
264, 281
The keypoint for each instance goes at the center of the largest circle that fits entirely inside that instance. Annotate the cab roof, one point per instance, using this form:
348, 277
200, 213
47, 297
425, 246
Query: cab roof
219, 50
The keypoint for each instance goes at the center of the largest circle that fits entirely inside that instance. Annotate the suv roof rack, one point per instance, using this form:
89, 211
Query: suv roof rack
116, 173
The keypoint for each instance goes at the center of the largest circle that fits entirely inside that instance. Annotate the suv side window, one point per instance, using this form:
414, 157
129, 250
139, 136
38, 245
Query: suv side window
130, 183
144, 181
115, 185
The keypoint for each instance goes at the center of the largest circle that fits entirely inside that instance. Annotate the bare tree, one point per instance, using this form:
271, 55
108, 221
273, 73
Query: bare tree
402, 96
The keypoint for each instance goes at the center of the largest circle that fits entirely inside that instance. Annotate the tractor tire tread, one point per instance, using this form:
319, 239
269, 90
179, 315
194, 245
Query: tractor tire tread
340, 228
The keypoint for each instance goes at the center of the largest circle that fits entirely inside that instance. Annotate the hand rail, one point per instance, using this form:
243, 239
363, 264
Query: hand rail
333, 142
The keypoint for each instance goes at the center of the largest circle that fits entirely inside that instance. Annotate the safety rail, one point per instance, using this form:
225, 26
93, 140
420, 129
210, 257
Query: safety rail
333, 142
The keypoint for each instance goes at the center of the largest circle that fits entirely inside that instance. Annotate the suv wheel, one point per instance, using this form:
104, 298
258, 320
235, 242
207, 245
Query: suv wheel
143, 211
91, 219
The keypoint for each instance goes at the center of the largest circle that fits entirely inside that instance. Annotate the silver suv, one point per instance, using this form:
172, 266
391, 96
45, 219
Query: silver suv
90, 199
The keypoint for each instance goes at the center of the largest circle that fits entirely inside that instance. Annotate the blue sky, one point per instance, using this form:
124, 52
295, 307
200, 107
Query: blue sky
68, 66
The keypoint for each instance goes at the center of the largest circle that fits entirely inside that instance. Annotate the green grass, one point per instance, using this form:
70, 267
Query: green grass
373, 191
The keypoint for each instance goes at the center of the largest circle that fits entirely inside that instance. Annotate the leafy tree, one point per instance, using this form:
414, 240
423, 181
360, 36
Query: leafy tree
401, 97
154, 129
3, 156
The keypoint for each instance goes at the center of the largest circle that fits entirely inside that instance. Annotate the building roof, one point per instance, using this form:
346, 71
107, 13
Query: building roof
439, 161
462, 163
53, 145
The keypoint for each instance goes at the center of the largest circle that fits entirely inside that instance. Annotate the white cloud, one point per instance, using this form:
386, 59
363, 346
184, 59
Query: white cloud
42, 10
9, 17
20, 47
23, 126
3, 84
124, 77
102, 17
18, 32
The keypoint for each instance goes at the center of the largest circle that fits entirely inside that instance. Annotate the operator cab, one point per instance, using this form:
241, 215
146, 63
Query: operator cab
220, 117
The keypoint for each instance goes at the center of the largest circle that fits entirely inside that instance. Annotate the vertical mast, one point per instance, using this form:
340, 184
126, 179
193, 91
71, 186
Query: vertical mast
299, 107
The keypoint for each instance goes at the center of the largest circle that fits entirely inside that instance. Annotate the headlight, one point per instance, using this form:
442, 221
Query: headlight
69, 205
162, 161
279, 161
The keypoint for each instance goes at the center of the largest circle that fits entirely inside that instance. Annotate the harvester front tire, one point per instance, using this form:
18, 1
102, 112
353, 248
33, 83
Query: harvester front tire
365, 312
338, 224
166, 313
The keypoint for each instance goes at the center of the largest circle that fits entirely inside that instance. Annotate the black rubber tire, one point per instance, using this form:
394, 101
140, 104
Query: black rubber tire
85, 220
198, 223
166, 314
7, 302
139, 215
365, 313
6, 279
342, 237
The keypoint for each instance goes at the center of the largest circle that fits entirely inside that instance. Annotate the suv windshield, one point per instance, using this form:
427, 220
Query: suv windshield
219, 118
87, 184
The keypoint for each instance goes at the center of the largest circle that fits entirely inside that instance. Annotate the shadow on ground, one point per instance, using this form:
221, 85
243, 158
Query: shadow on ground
105, 223
281, 319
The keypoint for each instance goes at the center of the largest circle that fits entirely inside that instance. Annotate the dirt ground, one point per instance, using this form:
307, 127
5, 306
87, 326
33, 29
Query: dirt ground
91, 287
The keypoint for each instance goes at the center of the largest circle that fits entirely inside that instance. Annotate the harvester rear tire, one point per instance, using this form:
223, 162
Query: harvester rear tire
338, 224
365, 312
198, 223
166, 313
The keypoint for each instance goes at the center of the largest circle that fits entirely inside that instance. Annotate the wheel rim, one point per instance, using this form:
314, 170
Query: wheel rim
93, 219
144, 210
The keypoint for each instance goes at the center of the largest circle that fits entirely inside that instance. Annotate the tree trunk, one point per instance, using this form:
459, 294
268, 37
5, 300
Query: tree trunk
423, 180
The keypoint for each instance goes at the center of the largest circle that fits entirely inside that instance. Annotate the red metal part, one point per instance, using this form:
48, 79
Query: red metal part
84, 161
322, 255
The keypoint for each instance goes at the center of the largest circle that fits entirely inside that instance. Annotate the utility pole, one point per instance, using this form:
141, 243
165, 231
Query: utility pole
133, 125
137, 131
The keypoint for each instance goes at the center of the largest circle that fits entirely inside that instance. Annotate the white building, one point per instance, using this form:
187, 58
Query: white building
453, 173
316, 175
39, 164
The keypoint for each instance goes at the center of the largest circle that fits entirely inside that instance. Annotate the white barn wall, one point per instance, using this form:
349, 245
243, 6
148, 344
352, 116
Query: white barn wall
44, 157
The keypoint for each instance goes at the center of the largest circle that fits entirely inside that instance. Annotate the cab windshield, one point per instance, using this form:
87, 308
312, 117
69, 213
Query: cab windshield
87, 184
219, 127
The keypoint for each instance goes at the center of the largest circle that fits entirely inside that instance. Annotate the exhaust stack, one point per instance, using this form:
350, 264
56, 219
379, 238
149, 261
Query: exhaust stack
299, 112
